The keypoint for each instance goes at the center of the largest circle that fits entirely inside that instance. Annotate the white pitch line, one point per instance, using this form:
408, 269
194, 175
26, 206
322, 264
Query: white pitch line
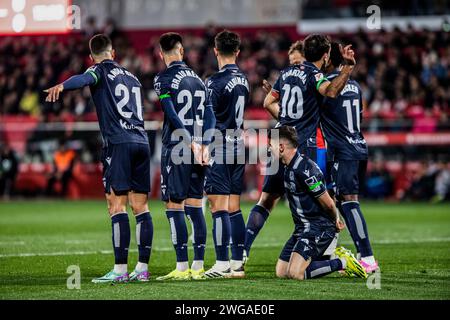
272, 245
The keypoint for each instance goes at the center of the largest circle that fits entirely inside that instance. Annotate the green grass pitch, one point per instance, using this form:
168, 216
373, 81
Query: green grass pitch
40, 239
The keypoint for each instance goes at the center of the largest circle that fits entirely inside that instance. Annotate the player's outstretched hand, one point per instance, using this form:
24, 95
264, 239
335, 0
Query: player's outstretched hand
267, 87
205, 155
340, 225
197, 151
348, 54
53, 93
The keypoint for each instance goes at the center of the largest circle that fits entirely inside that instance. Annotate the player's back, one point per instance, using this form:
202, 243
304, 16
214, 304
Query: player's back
341, 122
300, 100
188, 94
304, 182
118, 100
228, 90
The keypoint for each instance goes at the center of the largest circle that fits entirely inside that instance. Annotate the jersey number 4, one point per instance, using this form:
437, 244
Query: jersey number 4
121, 90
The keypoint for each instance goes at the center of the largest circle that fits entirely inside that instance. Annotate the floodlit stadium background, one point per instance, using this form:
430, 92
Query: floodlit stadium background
403, 56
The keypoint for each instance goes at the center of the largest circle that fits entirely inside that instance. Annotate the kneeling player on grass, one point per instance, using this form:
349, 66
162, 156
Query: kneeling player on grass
187, 114
229, 94
314, 213
126, 153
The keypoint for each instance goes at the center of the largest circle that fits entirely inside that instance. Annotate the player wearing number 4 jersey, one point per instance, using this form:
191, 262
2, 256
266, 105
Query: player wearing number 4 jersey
229, 95
340, 120
126, 155
187, 114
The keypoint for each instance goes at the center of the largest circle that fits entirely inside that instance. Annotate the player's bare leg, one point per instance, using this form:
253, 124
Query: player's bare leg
219, 205
257, 218
237, 236
357, 228
117, 209
194, 211
281, 269
144, 234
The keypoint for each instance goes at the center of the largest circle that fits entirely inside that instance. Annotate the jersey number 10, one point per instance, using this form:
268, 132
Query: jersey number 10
287, 104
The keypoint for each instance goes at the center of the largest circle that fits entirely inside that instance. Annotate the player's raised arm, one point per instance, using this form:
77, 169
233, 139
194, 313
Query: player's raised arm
332, 88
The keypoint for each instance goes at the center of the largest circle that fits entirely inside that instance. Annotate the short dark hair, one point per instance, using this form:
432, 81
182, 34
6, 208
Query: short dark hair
336, 55
99, 44
315, 46
286, 132
296, 46
227, 42
169, 40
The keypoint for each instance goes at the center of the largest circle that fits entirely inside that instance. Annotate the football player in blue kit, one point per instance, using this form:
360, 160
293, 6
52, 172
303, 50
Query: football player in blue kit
187, 114
314, 213
341, 122
295, 100
126, 154
229, 95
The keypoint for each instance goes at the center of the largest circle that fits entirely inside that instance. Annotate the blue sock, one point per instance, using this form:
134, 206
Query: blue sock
195, 215
318, 269
144, 236
255, 222
237, 235
179, 233
357, 227
221, 234
120, 237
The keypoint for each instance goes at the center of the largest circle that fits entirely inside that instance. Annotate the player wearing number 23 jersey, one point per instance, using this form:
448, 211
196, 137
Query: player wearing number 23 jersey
188, 95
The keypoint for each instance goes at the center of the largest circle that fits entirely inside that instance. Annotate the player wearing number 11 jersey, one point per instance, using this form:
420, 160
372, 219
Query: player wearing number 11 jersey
126, 154
340, 120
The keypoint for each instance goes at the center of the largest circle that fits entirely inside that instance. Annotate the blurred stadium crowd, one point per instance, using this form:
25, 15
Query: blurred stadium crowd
404, 75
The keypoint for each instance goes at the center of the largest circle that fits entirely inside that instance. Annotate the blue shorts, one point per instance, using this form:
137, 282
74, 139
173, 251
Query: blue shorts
180, 181
308, 245
274, 184
348, 175
224, 179
126, 167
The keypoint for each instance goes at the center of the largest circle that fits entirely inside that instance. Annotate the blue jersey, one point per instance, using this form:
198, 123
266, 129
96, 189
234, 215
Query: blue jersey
189, 96
118, 100
341, 122
304, 183
228, 91
300, 100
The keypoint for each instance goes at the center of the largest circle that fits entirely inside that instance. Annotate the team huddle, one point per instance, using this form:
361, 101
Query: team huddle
316, 104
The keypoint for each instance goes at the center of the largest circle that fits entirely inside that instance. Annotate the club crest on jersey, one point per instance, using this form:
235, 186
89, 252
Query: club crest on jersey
318, 76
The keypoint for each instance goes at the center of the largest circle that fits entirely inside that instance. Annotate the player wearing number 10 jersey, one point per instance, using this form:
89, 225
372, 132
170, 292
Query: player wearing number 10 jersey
126, 155
296, 99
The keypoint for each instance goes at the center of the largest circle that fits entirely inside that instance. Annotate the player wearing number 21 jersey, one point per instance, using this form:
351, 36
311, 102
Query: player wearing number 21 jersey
126, 154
